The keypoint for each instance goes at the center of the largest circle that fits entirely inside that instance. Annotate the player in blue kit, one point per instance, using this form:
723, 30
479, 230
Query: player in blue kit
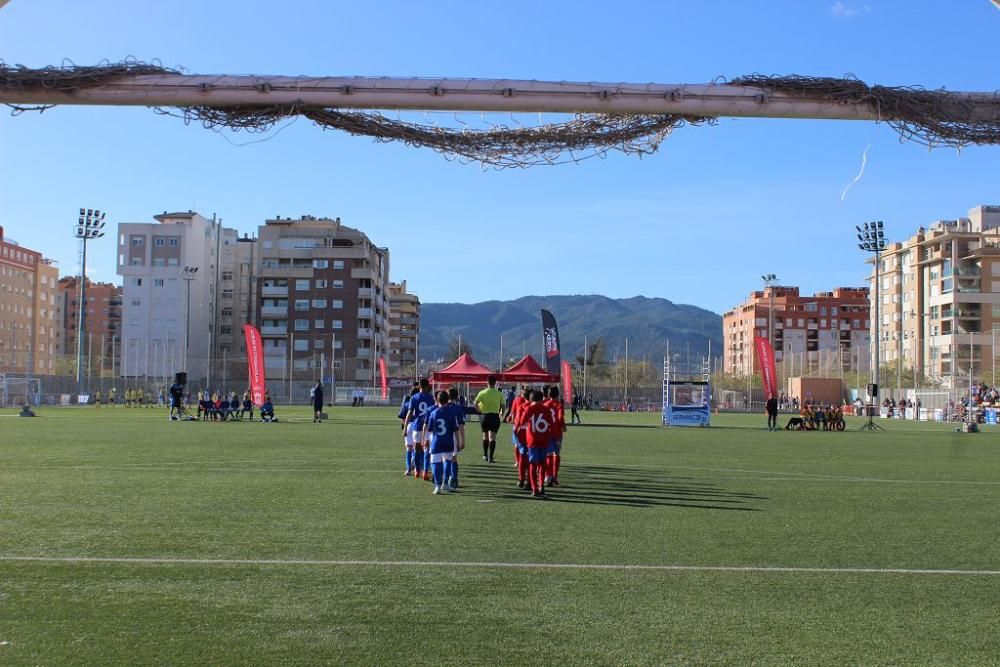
420, 404
408, 458
442, 426
451, 468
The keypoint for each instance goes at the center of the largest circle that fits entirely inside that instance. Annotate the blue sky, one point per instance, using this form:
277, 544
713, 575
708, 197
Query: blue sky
697, 222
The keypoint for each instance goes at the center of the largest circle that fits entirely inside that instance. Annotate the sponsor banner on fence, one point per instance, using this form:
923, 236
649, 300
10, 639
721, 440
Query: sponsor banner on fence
255, 364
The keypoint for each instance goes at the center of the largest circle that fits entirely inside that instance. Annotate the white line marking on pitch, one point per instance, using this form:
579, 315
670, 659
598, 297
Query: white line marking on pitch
805, 476
485, 564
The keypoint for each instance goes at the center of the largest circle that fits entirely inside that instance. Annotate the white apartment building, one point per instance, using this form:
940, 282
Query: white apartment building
940, 298
186, 292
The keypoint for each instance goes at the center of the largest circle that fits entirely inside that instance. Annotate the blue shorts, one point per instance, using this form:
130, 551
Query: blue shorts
555, 446
537, 454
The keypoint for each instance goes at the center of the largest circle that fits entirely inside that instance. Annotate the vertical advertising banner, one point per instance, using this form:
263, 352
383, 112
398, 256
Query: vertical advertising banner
550, 336
384, 378
768, 375
567, 382
255, 364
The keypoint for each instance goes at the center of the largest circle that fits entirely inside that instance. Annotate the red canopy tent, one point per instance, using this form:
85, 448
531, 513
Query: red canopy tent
527, 370
463, 369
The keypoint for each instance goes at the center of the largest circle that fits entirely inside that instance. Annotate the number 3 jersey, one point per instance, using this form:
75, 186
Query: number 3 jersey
442, 424
537, 421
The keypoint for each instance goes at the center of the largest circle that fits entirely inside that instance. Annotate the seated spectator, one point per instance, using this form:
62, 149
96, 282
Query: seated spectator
247, 406
234, 408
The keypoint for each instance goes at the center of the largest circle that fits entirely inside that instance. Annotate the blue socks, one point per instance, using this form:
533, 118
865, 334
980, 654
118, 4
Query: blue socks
438, 472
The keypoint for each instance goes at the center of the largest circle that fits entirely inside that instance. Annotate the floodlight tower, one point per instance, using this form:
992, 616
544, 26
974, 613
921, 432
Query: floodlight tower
189, 273
90, 225
871, 239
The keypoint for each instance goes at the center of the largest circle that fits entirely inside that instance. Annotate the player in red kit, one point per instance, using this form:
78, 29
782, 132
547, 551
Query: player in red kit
517, 434
536, 421
555, 407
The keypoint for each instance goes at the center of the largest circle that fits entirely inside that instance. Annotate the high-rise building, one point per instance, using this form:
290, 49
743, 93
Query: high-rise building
825, 334
182, 300
29, 310
102, 323
404, 330
323, 313
940, 298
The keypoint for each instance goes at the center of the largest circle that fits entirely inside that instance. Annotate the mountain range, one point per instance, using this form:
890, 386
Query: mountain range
647, 323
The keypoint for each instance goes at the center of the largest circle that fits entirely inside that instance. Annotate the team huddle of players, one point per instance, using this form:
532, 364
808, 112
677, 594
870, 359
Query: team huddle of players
434, 434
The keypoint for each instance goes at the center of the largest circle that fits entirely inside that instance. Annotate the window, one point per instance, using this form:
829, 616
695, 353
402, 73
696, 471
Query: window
320, 284
337, 284
136, 302
227, 312
138, 282
336, 304
302, 345
173, 241
338, 344
172, 261
319, 303
158, 261
227, 275
159, 241
319, 324
227, 294
302, 304
320, 263
318, 344
138, 241
157, 282
302, 325
336, 324
338, 263
137, 261
226, 329
302, 285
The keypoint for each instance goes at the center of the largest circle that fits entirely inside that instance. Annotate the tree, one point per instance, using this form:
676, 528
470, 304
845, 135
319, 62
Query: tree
457, 347
595, 355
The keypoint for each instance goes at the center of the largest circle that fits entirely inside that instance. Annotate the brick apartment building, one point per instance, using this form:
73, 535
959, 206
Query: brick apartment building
322, 291
102, 322
30, 322
825, 333
404, 327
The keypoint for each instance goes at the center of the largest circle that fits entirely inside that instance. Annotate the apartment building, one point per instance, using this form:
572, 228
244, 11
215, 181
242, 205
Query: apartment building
940, 298
322, 291
404, 329
187, 289
102, 322
826, 333
29, 310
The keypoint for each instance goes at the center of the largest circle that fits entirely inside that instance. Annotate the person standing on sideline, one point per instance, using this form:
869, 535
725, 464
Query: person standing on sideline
575, 409
490, 402
317, 400
772, 412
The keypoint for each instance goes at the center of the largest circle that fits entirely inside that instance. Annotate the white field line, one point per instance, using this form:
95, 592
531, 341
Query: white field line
496, 565
781, 476
810, 477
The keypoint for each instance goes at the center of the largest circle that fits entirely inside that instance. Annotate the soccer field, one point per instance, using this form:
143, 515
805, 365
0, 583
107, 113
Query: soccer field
126, 538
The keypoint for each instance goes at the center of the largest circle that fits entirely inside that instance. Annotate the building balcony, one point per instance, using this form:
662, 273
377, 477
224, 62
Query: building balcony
365, 292
361, 274
274, 291
274, 311
365, 313
364, 353
274, 331
365, 333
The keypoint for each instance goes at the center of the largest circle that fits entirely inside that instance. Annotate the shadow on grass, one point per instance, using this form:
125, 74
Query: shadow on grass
607, 485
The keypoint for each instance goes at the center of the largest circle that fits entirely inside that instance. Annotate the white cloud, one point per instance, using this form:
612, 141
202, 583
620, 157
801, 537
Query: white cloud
841, 10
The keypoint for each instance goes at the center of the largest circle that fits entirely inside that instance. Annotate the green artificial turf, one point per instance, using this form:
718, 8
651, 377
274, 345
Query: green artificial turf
126, 538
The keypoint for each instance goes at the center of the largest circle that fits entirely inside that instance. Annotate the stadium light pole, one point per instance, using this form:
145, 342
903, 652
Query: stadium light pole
871, 239
189, 273
89, 225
